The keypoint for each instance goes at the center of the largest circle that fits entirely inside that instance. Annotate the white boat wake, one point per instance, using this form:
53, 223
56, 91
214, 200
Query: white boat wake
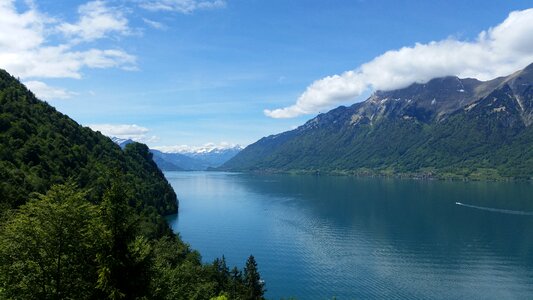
503, 211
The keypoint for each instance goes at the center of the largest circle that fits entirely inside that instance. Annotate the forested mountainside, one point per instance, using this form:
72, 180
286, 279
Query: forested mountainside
82, 219
40, 146
447, 127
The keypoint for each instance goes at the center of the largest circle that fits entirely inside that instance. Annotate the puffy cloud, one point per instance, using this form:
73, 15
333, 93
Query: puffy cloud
125, 131
62, 62
31, 48
181, 6
46, 92
96, 21
497, 51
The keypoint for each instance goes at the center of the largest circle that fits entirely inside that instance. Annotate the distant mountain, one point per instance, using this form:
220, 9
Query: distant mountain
176, 162
188, 158
122, 142
213, 156
447, 127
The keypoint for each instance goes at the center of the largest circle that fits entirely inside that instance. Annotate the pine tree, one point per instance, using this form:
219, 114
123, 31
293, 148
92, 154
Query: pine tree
123, 269
221, 274
236, 283
252, 280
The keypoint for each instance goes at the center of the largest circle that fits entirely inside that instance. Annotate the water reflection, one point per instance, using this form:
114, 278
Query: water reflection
317, 237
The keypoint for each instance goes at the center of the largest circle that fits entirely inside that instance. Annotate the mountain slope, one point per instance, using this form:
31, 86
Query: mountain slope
40, 147
446, 127
176, 161
193, 160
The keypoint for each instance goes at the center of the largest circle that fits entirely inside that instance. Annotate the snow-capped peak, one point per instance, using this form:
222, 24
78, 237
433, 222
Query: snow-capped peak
118, 140
206, 148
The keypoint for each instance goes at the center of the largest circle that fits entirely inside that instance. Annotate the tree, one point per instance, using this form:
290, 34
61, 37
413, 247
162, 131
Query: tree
236, 283
124, 262
221, 273
252, 280
48, 247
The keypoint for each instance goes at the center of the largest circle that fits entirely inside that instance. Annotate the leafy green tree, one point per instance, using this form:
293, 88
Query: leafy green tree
48, 247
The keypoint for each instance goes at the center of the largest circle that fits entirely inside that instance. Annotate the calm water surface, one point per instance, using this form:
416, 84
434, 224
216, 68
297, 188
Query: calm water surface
316, 237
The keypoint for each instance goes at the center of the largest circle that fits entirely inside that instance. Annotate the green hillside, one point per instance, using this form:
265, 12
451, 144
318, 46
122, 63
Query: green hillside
40, 147
82, 219
446, 128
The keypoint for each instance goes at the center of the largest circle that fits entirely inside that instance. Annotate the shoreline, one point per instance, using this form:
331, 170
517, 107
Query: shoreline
434, 175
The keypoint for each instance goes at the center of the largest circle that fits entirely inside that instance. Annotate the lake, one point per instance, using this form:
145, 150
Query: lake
316, 237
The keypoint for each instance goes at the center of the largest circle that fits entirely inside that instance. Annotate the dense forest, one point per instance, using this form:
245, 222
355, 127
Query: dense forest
83, 219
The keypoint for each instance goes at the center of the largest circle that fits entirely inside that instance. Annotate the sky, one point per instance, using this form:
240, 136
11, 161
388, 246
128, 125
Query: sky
192, 72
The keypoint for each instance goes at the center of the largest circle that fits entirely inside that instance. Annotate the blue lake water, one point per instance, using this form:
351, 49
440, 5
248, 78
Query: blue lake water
316, 237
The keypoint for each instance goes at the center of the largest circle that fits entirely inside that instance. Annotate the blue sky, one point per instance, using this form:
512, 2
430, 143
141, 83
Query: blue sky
190, 72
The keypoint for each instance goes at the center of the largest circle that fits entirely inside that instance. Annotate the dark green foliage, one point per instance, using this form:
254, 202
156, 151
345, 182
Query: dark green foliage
60, 246
123, 263
40, 147
252, 280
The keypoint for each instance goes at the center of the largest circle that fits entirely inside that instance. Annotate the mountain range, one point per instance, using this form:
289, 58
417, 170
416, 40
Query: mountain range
188, 158
447, 128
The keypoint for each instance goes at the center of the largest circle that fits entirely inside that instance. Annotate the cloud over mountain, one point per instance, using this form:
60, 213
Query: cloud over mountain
497, 51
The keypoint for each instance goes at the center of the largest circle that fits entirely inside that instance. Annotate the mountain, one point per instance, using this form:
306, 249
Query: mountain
176, 162
122, 143
41, 147
188, 158
194, 159
447, 127
213, 156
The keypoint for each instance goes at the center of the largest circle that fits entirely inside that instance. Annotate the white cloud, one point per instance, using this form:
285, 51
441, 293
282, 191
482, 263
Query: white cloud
181, 6
155, 24
96, 21
62, 62
30, 47
497, 51
20, 31
46, 92
125, 131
